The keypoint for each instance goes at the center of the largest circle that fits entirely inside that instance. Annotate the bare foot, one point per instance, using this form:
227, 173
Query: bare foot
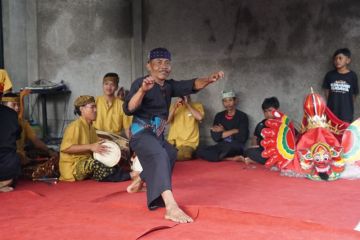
134, 174
249, 161
5, 183
237, 158
6, 189
175, 214
137, 185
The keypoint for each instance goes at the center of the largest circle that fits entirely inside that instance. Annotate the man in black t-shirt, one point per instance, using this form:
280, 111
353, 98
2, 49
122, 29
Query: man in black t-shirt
230, 130
341, 86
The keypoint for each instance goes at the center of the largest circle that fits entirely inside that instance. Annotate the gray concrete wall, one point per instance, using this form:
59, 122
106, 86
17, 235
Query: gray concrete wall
15, 41
79, 42
266, 47
20, 43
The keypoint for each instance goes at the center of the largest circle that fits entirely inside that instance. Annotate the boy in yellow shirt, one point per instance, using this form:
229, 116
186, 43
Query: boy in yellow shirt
5, 81
80, 142
110, 115
184, 121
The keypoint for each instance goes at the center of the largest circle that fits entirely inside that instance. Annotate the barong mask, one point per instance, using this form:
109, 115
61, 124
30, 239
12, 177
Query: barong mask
322, 162
317, 153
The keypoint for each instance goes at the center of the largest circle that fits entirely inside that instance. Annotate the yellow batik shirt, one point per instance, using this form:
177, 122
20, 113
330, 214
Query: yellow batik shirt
27, 133
111, 118
184, 129
5, 79
78, 132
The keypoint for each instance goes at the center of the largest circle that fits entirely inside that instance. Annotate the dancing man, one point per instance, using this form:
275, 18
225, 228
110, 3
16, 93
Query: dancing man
149, 101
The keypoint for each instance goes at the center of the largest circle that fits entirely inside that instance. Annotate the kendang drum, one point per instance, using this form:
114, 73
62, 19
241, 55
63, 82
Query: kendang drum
122, 143
112, 157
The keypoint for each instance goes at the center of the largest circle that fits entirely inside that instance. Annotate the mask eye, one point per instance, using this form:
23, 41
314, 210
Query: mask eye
317, 158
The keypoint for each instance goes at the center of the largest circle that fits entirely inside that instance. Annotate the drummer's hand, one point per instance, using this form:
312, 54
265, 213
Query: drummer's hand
216, 76
147, 83
99, 148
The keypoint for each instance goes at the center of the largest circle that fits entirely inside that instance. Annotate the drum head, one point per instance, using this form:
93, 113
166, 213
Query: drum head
112, 157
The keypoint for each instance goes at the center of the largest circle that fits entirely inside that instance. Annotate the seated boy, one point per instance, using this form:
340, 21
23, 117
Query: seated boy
253, 153
110, 115
184, 121
9, 160
80, 142
35, 169
230, 130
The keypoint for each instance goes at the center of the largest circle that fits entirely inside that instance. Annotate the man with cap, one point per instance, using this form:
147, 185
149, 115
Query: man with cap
78, 144
31, 168
230, 130
9, 160
149, 101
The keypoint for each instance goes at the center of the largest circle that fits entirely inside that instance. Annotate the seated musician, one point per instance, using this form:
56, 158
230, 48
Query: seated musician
110, 115
31, 167
80, 142
9, 160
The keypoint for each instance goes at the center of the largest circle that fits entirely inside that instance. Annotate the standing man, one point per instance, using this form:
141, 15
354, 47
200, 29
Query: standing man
149, 101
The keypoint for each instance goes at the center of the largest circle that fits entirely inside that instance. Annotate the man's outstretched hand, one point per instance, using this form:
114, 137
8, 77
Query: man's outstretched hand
216, 76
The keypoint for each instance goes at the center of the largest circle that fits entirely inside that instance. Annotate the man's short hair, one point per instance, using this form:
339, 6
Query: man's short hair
111, 76
270, 102
344, 51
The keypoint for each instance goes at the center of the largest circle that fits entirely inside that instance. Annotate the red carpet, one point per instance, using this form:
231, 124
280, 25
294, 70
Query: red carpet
229, 201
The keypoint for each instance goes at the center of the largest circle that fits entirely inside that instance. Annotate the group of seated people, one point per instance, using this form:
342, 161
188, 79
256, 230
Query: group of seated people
80, 140
230, 131
84, 146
